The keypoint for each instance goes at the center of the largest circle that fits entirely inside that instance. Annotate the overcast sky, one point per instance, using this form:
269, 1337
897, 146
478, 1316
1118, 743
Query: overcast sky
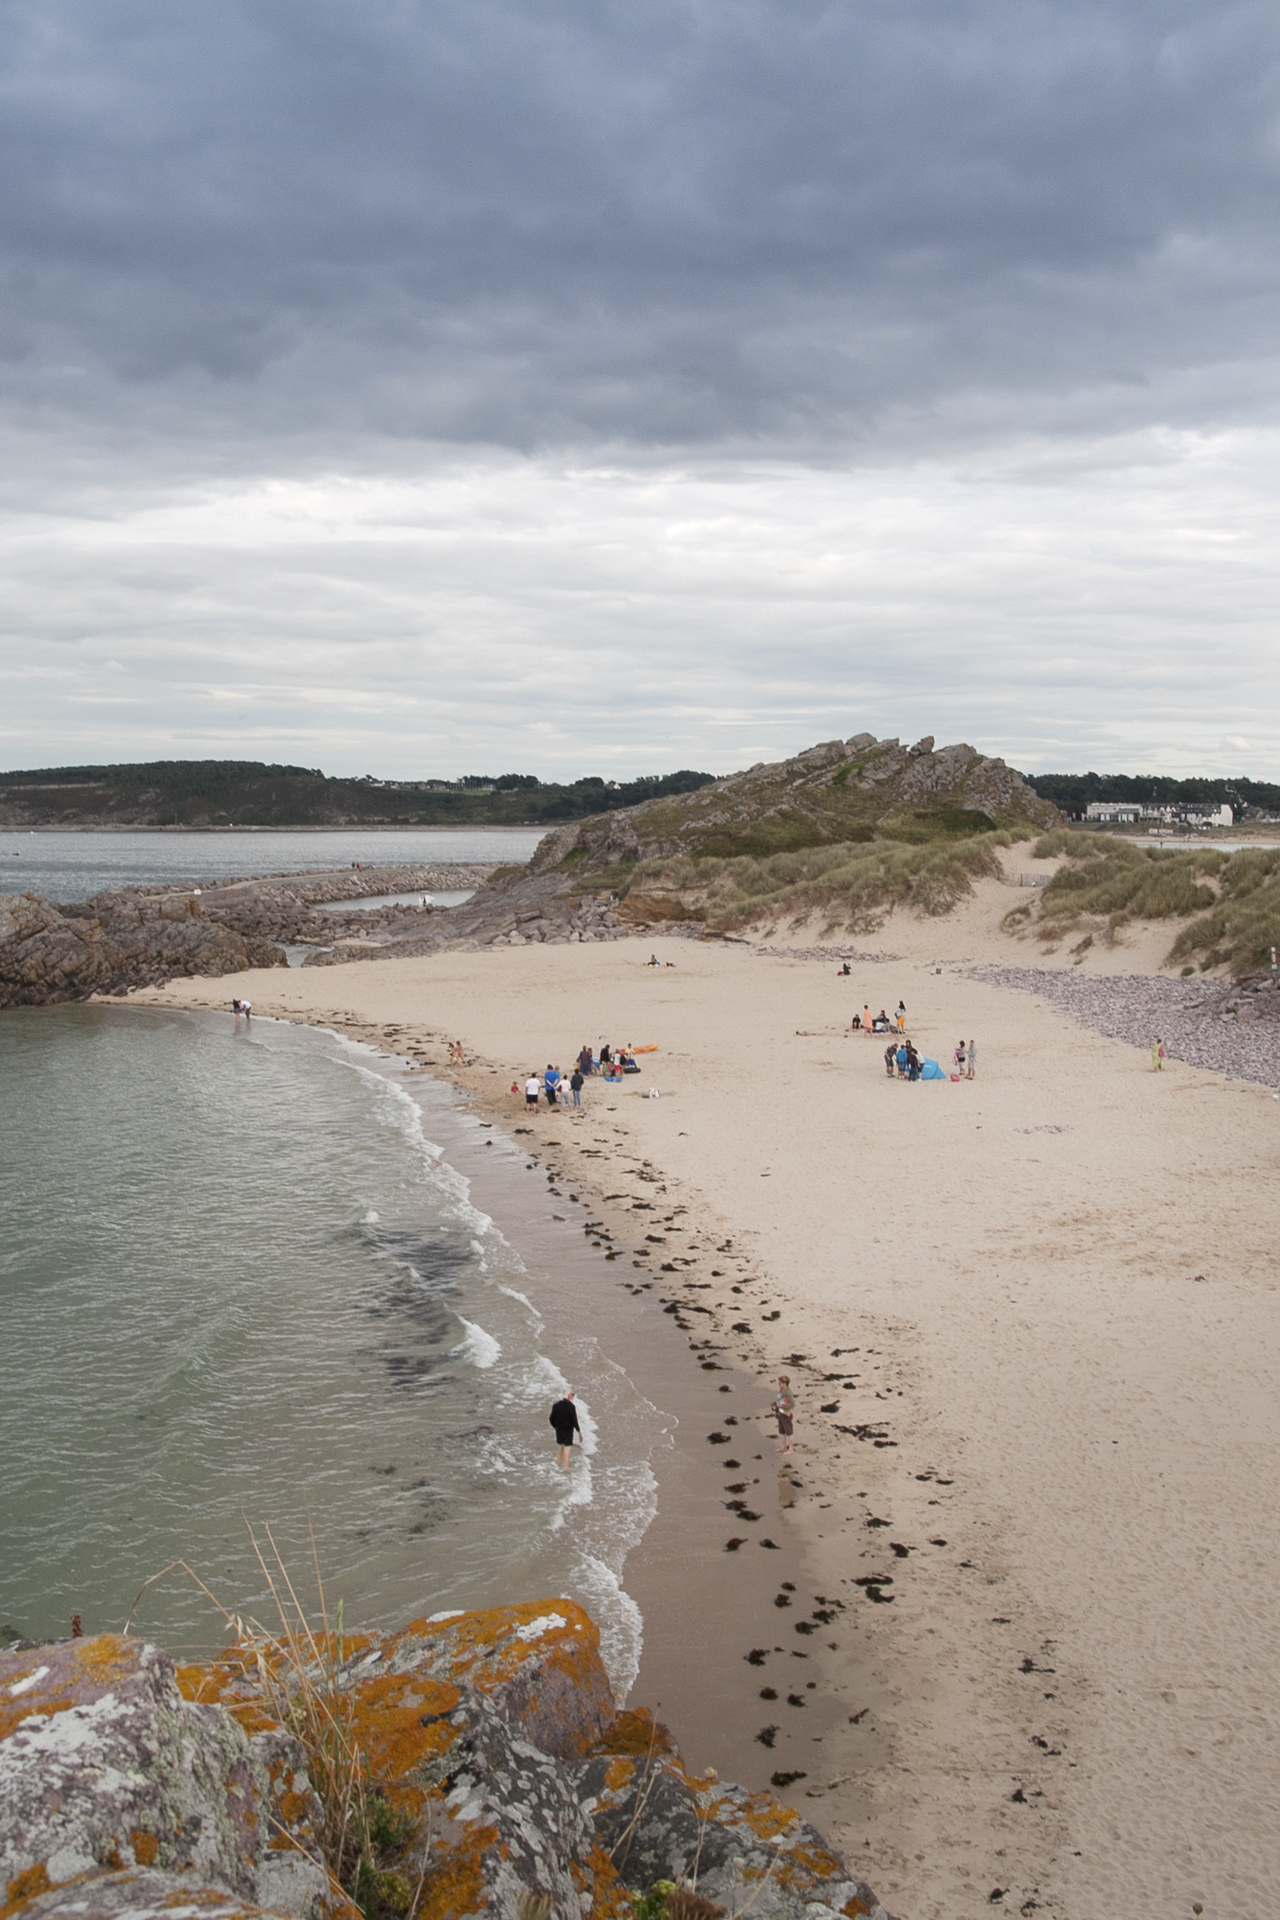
431, 388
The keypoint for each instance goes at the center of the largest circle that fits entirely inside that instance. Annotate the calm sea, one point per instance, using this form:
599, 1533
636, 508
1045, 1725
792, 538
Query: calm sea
244, 1282
74, 865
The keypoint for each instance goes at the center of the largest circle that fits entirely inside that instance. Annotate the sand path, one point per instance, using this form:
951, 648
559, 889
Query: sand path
1061, 1283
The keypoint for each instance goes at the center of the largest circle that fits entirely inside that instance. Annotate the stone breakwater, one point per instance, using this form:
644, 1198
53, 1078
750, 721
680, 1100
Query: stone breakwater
1231, 1028
505, 1782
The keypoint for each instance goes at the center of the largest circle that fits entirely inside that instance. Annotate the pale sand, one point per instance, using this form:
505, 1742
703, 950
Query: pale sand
1066, 1271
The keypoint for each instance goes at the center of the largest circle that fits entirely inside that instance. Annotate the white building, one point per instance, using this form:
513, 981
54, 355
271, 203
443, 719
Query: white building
1112, 811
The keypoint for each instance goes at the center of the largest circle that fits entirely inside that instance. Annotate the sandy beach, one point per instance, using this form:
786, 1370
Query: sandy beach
1031, 1324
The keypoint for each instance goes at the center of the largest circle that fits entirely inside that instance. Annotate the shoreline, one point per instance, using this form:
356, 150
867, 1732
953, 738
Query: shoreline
708, 1697
1018, 1314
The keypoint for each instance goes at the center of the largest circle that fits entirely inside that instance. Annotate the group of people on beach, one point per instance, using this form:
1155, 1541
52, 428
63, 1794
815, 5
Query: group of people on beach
867, 1022
550, 1085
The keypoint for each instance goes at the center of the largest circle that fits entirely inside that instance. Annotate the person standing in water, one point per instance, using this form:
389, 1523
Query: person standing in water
564, 1418
784, 1412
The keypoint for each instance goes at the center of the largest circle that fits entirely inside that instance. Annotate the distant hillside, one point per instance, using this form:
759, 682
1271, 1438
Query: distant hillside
247, 793
1074, 792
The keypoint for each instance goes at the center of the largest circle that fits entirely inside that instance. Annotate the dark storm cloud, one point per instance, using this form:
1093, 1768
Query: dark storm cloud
791, 225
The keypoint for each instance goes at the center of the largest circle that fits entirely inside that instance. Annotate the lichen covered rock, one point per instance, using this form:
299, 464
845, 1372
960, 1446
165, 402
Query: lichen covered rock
128, 1791
104, 1766
660, 1822
135, 1895
539, 1663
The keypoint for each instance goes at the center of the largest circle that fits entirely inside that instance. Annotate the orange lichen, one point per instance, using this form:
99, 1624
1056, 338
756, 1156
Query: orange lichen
635, 1731
455, 1884
809, 1863
145, 1846
765, 1816
26, 1885
618, 1774
598, 1877
855, 1907
399, 1722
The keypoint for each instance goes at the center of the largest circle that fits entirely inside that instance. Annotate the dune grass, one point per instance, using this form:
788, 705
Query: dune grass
854, 884
1231, 900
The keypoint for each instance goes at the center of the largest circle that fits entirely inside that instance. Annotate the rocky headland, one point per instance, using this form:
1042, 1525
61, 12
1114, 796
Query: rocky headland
473, 1763
143, 936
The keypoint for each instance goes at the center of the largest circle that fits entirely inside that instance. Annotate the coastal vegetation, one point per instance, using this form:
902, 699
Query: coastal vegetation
853, 884
248, 793
1230, 900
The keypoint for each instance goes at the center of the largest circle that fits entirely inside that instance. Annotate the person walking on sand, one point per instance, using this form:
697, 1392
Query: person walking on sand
564, 1418
576, 1084
902, 1017
784, 1412
866, 1019
973, 1058
1157, 1056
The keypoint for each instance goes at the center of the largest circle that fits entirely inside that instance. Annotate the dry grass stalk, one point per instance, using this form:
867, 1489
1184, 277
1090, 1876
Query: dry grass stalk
300, 1680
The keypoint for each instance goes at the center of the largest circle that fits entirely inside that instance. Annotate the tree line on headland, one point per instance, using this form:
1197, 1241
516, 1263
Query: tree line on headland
248, 793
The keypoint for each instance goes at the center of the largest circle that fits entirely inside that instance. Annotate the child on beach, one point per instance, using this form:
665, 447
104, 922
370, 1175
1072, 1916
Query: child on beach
1157, 1056
784, 1410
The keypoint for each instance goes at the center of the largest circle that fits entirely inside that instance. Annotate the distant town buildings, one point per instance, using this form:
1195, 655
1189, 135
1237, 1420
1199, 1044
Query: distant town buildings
1190, 814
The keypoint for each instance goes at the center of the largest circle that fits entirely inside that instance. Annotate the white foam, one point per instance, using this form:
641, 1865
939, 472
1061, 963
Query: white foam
450, 1613
514, 1293
479, 1347
619, 1619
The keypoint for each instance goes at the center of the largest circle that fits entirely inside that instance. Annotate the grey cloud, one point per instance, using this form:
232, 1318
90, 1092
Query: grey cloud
698, 223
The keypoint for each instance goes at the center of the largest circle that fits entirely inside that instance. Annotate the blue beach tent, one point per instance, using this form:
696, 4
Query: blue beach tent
930, 1070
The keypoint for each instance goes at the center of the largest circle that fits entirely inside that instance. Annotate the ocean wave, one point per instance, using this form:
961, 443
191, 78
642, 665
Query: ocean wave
479, 1347
619, 1619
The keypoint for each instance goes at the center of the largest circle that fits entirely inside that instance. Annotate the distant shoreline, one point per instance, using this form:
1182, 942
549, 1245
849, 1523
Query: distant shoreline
506, 826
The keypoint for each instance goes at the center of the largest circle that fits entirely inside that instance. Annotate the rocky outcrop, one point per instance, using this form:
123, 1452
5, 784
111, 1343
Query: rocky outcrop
602, 878
106, 1769
139, 936
109, 945
491, 1738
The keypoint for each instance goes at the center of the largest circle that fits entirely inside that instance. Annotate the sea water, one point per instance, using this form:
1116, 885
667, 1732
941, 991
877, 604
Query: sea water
75, 864
245, 1291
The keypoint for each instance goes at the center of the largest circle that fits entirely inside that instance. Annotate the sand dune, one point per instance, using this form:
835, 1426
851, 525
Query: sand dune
1060, 1281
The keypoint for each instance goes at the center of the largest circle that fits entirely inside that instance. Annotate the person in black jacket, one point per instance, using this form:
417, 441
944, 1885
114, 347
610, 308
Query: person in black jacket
564, 1418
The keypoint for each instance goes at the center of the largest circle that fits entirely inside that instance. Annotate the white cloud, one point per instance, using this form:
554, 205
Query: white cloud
488, 613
